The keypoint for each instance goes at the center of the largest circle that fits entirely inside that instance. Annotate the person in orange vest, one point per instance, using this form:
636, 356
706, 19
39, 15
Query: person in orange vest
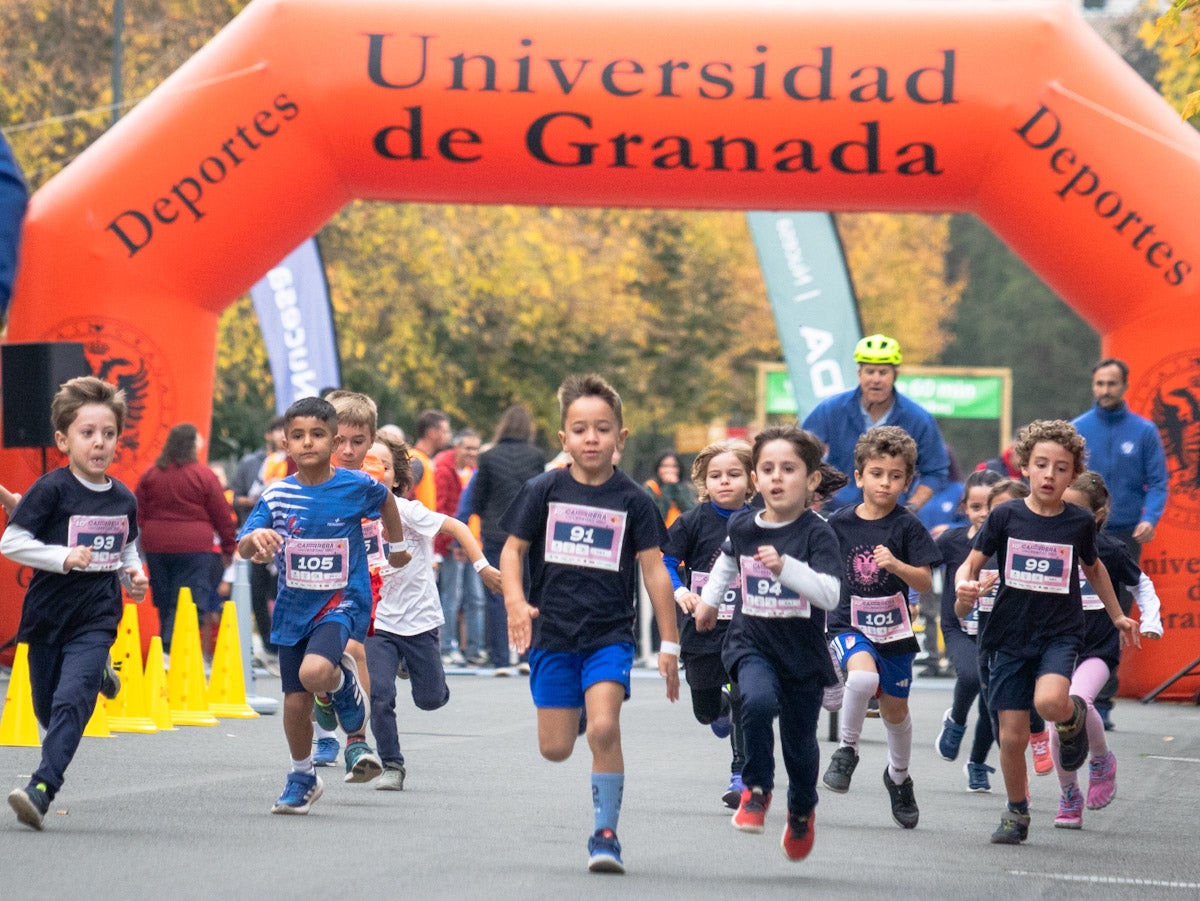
433, 435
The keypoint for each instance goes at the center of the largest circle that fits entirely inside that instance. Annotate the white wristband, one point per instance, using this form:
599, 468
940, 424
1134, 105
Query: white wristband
669, 647
481, 564
681, 592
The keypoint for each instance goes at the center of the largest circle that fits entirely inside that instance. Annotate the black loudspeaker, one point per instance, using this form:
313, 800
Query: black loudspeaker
30, 376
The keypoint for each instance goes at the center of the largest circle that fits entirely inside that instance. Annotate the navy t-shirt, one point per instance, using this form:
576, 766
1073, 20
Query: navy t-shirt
1038, 557
57, 509
866, 587
794, 645
954, 546
583, 547
695, 538
1101, 638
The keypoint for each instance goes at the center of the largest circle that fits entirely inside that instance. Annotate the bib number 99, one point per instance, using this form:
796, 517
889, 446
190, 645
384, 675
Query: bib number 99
1039, 566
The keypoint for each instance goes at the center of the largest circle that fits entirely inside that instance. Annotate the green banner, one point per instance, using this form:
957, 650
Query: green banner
781, 399
955, 397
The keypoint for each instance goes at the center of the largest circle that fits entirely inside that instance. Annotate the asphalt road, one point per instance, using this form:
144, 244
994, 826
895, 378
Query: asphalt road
186, 814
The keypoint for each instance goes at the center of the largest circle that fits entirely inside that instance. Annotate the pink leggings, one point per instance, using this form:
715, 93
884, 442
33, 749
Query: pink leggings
1090, 676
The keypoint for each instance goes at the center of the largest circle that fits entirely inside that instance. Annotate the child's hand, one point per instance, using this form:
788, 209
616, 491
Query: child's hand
668, 668
1129, 631
520, 624
884, 558
138, 584
491, 579
688, 602
398, 559
79, 558
706, 617
769, 557
267, 543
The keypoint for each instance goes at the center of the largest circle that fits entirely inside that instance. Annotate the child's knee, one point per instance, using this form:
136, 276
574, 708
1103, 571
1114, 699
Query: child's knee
554, 748
603, 732
432, 700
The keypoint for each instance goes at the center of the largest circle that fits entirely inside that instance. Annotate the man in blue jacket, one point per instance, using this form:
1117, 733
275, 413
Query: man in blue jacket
1126, 449
841, 419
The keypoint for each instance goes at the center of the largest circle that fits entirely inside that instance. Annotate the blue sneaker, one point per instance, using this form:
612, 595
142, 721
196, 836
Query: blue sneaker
723, 724
604, 852
348, 700
362, 765
326, 751
733, 795
977, 777
324, 714
949, 740
301, 790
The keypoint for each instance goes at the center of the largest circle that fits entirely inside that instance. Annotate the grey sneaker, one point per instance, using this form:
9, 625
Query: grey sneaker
1014, 828
392, 779
1073, 740
361, 763
841, 768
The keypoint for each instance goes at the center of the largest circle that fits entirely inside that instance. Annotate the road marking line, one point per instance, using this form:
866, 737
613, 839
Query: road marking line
1177, 759
1107, 880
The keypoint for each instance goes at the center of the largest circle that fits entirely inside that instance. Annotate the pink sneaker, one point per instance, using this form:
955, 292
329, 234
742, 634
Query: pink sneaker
1039, 743
1070, 808
1102, 781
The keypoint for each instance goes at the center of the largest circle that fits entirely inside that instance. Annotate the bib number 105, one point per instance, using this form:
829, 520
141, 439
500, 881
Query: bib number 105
313, 564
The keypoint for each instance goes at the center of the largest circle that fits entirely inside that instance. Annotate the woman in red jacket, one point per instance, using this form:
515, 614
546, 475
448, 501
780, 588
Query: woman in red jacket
182, 514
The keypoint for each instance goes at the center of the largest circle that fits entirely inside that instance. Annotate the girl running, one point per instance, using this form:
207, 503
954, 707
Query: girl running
721, 474
788, 565
960, 636
1100, 655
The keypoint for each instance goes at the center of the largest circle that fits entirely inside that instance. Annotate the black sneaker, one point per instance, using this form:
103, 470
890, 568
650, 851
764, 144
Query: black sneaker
110, 682
30, 803
841, 768
1072, 739
904, 804
1014, 828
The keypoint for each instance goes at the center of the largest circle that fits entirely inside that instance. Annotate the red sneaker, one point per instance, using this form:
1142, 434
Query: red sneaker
798, 835
1039, 743
752, 812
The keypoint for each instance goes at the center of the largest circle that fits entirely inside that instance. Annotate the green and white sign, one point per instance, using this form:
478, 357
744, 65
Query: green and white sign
955, 397
781, 398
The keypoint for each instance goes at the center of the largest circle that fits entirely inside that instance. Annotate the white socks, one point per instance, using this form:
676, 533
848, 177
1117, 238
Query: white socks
899, 748
861, 686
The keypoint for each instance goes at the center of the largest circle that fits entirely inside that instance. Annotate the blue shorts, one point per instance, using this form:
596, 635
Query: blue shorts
327, 640
560, 678
1011, 680
895, 673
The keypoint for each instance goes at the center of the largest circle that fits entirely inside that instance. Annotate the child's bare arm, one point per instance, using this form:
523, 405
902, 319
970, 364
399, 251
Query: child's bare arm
260, 545
462, 534
658, 585
389, 515
8, 500
1097, 574
919, 578
512, 580
967, 588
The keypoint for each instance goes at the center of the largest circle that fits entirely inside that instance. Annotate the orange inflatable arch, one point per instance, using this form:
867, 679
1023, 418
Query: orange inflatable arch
1013, 110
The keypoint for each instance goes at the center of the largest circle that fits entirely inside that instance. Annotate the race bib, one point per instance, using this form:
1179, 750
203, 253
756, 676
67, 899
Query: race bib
105, 535
1038, 566
317, 564
372, 530
728, 601
764, 595
881, 620
987, 601
578, 535
1091, 600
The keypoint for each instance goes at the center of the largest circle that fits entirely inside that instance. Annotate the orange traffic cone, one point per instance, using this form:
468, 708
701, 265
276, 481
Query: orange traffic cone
18, 724
186, 694
157, 700
128, 710
97, 726
227, 684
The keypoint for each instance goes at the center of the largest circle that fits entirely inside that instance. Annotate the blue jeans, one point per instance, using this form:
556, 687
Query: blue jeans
497, 616
459, 586
797, 704
427, 680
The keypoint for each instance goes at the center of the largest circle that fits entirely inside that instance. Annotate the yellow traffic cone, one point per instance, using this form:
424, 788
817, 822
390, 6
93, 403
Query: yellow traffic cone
128, 710
186, 693
97, 725
18, 724
157, 700
227, 683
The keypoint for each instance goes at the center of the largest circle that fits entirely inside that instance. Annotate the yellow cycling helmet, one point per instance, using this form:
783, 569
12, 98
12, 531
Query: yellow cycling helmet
877, 349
